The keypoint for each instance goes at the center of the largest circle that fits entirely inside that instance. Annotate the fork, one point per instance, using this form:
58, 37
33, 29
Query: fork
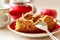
43, 26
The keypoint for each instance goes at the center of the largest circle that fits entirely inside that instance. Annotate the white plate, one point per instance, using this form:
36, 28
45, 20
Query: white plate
31, 35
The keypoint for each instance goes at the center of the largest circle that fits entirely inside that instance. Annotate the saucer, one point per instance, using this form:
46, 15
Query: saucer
11, 27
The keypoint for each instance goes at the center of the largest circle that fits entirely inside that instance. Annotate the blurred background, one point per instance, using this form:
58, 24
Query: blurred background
45, 3
40, 4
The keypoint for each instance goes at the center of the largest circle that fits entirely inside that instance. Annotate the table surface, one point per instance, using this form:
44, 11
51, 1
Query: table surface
6, 34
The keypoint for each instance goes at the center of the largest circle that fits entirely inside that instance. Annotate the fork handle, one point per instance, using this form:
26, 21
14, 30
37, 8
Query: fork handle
52, 37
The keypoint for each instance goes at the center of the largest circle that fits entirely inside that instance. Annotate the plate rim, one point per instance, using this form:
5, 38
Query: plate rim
29, 35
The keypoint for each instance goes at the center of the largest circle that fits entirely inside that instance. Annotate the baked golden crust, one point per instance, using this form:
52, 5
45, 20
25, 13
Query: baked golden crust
28, 26
51, 22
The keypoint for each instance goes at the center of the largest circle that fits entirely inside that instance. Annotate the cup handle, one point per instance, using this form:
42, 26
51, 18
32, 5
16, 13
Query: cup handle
31, 6
9, 18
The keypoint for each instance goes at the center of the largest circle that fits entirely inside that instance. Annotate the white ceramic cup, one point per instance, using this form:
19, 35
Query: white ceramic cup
4, 19
4, 16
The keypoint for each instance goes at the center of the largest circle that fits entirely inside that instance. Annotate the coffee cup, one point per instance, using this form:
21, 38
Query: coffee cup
4, 19
4, 15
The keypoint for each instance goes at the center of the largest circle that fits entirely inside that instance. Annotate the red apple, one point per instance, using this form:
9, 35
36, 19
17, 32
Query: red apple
49, 12
17, 11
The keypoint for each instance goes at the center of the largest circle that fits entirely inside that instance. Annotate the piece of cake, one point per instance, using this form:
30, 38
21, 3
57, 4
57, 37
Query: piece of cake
25, 24
51, 22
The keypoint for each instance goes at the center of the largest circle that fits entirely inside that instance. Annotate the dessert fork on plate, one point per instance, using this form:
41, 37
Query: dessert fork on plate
43, 26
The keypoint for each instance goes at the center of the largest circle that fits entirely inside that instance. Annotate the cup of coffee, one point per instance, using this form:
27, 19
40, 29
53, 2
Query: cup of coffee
4, 16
